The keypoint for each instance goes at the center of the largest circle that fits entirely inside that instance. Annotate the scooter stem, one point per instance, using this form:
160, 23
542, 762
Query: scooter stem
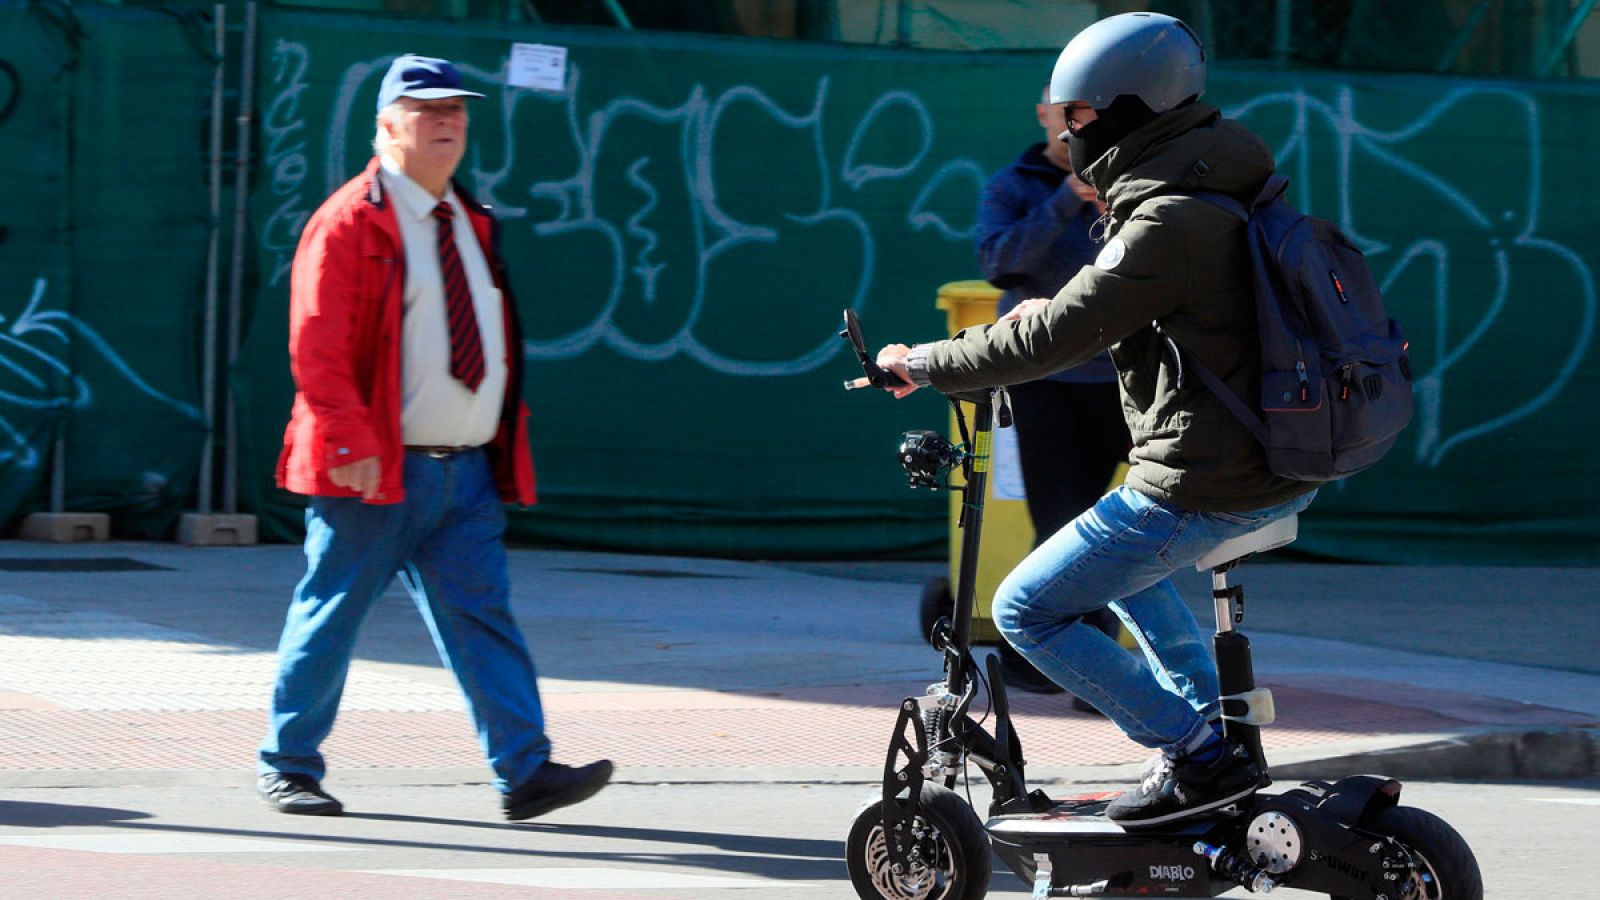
972, 497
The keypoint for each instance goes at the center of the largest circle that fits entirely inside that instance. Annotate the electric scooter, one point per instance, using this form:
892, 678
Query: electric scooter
918, 839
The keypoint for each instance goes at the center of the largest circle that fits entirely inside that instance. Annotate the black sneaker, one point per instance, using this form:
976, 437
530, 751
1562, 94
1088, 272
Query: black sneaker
555, 786
1175, 790
297, 795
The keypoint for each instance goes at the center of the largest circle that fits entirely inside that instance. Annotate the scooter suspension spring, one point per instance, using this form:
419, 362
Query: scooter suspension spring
941, 761
1228, 864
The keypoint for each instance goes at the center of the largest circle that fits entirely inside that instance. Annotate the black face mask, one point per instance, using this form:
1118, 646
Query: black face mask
1124, 116
1087, 145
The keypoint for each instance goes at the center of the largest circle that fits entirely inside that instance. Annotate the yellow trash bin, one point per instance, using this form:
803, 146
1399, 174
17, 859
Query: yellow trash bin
1007, 530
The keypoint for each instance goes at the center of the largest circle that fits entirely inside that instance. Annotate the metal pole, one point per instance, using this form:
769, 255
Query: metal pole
241, 196
1284, 17
1568, 34
1204, 24
615, 8
1463, 36
208, 355
58, 471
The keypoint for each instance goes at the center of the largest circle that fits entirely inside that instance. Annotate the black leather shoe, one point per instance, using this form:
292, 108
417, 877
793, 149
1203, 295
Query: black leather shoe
555, 786
297, 795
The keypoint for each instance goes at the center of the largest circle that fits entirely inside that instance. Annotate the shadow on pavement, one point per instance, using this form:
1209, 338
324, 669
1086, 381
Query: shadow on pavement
23, 814
790, 859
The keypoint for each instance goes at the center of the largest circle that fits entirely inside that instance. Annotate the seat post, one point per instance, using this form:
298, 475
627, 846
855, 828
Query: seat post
1245, 708
1228, 600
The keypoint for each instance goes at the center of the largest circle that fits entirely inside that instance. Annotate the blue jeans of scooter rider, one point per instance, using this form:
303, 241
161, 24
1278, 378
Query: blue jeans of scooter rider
445, 541
1120, 553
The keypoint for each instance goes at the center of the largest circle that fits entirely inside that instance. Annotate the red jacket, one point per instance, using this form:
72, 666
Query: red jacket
345, 305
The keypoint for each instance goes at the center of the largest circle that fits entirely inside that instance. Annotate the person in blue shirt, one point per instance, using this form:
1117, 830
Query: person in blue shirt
1035, 230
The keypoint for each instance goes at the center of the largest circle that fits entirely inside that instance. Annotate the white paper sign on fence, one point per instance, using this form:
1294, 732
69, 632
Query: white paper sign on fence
538, 66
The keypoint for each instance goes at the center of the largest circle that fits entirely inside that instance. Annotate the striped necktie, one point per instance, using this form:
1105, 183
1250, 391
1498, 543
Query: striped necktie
466, 347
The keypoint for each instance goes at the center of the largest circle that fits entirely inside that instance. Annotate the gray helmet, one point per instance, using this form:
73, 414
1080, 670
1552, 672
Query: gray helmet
1153, 57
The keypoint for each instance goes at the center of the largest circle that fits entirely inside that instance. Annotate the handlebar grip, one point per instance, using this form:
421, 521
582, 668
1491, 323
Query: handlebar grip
880, 377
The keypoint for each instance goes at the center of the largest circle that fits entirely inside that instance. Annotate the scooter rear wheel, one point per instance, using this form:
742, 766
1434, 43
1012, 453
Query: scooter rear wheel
952, 861
1449, 870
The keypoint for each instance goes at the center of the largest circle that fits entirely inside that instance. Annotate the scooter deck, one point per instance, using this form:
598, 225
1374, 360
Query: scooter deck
1082, 815
1089, 850
1085, 815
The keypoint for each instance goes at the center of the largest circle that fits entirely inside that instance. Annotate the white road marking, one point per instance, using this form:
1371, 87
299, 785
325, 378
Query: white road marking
593, 878
167, 843
1578, 801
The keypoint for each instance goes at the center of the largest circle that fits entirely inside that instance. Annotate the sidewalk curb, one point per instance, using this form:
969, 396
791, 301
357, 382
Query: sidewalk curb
1544, 754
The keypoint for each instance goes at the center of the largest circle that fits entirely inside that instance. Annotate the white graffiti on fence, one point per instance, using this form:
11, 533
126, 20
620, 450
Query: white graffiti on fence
640, 263
1430, 257
283, 133
647, 268
35, 348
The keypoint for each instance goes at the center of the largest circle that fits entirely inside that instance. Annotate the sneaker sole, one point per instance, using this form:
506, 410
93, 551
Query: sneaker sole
1185, 813
324, 809
573, 795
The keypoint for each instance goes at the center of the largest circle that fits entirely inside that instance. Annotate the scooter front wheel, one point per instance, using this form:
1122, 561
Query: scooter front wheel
950, 852
1447, 867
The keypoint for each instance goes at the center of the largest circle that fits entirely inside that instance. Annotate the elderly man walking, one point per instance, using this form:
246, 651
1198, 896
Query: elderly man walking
407, 435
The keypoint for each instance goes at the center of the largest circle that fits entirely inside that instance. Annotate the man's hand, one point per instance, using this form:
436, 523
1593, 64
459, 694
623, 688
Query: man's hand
1030, 307
893, 359
361, 476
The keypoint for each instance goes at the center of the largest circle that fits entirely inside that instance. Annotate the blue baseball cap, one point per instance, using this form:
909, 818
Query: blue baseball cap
423, 78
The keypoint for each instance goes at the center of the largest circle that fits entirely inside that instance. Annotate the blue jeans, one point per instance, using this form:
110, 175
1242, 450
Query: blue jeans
446, 541
1119, 553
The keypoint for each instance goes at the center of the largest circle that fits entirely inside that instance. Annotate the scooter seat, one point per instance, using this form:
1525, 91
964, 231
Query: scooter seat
1274, 534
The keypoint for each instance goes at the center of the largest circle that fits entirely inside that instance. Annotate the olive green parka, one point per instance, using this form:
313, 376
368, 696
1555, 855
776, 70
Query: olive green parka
1171, 259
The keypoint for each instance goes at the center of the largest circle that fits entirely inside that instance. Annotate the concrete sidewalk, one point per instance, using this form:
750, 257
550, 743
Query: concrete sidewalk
153, 662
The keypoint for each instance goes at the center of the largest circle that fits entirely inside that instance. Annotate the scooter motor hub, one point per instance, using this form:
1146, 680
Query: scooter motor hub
1274, 842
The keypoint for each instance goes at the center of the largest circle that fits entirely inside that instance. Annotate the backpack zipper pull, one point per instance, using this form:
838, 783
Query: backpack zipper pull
1305, 383
1338, 286
1344, 376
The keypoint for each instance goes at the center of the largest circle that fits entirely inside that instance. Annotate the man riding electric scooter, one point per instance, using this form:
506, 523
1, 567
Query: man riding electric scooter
1175, 271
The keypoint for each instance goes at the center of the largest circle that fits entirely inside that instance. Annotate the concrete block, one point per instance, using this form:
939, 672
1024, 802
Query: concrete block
216, 530
66, 527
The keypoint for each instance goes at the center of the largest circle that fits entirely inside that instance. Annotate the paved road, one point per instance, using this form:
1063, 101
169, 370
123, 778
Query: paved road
747, 705
683, 841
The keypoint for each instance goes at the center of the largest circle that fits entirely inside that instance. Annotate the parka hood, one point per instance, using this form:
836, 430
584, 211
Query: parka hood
1189, 149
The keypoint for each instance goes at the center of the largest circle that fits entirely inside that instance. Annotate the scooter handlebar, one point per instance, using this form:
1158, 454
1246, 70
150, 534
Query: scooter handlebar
876, 375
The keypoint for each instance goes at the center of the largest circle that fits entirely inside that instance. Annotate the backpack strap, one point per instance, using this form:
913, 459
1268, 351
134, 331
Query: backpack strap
1273, 189
1239, 210
1231, 400
1247, 417
1270, 191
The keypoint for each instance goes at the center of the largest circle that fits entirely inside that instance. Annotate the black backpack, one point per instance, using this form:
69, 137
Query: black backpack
1335, 379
